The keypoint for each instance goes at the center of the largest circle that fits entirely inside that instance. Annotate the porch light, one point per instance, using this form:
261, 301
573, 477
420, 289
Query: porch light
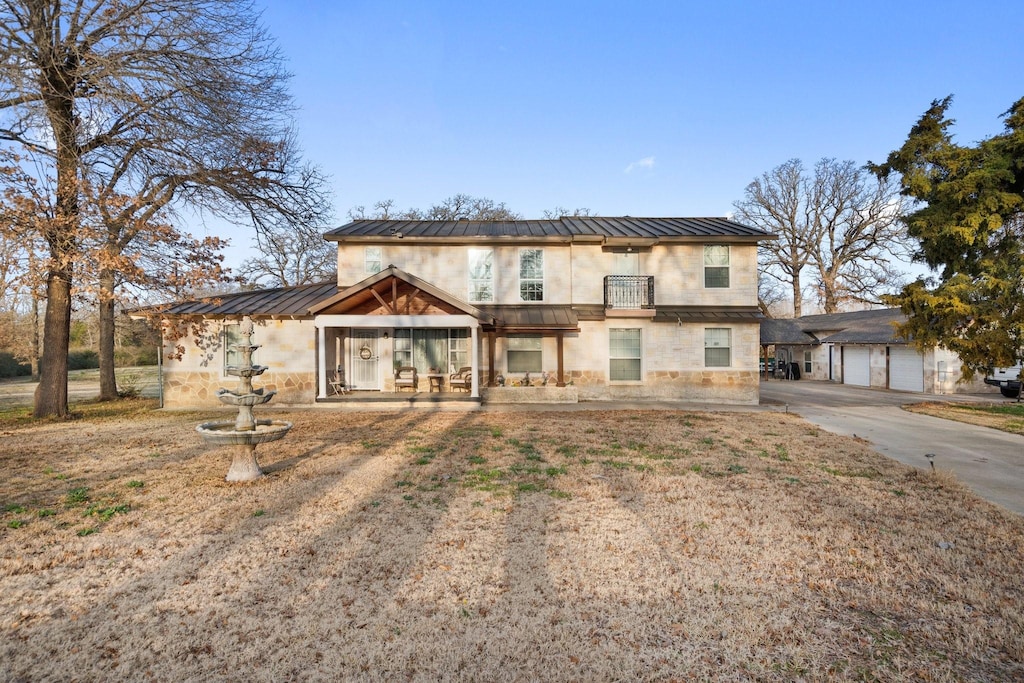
385, 335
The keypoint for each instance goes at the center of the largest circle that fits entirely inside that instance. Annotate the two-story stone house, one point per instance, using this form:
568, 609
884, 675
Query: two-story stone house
662, 308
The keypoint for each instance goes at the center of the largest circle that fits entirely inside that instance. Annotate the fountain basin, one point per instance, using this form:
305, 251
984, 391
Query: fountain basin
251, 371
253, 398
223, 433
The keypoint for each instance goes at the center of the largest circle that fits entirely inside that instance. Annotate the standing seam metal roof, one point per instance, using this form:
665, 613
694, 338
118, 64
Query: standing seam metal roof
569, 227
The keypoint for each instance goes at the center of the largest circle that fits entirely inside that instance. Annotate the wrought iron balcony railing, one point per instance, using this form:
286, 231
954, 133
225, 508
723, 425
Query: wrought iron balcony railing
629, 292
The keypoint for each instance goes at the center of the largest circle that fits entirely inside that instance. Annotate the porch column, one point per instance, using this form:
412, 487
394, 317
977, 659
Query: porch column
561, 360
475, 362
490, 358
321, 370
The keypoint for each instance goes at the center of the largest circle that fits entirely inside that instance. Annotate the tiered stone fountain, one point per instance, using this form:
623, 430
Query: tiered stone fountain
245, 432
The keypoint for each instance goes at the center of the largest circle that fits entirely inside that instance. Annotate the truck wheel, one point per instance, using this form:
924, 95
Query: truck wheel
1008, 392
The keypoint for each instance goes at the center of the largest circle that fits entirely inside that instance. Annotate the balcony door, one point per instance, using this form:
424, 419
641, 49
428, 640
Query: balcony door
625, 263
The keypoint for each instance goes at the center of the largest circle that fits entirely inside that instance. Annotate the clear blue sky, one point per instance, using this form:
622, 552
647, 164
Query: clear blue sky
638, 108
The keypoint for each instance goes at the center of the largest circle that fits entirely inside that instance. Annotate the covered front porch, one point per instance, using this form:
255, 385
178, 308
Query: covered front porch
395, 334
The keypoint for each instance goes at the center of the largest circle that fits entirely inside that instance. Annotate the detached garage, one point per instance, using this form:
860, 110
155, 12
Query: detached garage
906, 369
861, 348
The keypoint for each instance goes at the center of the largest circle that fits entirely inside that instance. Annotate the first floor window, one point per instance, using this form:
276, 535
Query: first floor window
424, 349
624, 355
716, 266
481, 275
524, 353
403, 348
717, 347
232, 356
807, 362
372, 259
458, 349
531, 274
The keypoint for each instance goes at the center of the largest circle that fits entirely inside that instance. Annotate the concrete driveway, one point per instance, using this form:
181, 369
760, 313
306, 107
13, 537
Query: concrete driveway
991, 462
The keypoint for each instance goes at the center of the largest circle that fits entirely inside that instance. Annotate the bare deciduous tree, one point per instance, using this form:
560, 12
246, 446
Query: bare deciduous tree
171, 102
840, 222
291, 255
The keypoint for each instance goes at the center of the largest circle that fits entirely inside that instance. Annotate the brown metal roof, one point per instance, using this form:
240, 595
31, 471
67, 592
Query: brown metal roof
710, 314
280, 301
533, 317
566, 228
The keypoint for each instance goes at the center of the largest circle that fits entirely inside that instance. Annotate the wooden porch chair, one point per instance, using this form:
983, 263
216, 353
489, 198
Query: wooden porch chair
463, 379
337, 382
406, 377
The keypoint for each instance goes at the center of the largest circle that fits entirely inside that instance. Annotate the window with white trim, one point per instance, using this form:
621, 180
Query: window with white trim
373, 259
232, 333
808, 363
625, 355
481, 275
716, 266
531, 274
524, 353
717, 347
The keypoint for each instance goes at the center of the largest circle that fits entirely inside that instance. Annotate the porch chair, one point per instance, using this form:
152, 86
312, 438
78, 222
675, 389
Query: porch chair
406, 377
337, 382
463, 379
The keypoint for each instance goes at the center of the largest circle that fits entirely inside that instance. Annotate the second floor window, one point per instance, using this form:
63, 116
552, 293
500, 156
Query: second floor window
372, 258
716, 266
531, 274
481, 275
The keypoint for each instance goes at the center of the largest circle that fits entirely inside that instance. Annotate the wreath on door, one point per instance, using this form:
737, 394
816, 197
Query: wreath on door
365, 353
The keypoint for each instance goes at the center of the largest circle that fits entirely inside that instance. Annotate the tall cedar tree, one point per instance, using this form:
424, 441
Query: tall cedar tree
970, 230
175, 102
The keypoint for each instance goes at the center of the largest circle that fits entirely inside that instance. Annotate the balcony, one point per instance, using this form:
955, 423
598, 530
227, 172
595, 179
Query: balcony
629, 293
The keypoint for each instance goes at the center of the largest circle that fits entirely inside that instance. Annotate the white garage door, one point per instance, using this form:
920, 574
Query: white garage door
856, 369
906, 369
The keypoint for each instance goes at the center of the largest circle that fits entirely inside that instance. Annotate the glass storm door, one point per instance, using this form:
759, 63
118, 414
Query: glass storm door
365, 360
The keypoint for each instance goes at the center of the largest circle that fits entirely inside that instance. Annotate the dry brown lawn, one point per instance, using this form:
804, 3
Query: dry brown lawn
1007, 416
416, 546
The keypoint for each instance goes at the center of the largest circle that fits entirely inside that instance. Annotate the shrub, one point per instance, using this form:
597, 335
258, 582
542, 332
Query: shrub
11, 367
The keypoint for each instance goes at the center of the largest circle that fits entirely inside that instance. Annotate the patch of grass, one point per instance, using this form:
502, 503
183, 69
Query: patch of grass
496, 432
567, 451
562, 495
259, 513
476, 459
736, 469
1007, 417
46, 512
15, 508
77, 495
136, 484
87, 531
106, 513
16, 523
402, 482
861, 473
555, 471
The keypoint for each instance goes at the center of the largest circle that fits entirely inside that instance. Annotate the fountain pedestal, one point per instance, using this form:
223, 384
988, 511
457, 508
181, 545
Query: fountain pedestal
245, 432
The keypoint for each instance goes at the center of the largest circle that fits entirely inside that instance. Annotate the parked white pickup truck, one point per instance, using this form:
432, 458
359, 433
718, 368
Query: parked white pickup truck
1007, 379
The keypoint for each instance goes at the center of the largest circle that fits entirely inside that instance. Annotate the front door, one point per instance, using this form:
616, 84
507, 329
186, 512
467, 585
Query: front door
365, 360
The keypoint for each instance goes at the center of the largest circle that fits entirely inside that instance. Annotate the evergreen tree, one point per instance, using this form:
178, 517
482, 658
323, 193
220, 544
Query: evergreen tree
969, 225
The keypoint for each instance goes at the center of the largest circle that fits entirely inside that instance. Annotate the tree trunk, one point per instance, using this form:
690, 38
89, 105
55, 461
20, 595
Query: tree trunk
51, 398
36, 347
108, 381
797, 296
